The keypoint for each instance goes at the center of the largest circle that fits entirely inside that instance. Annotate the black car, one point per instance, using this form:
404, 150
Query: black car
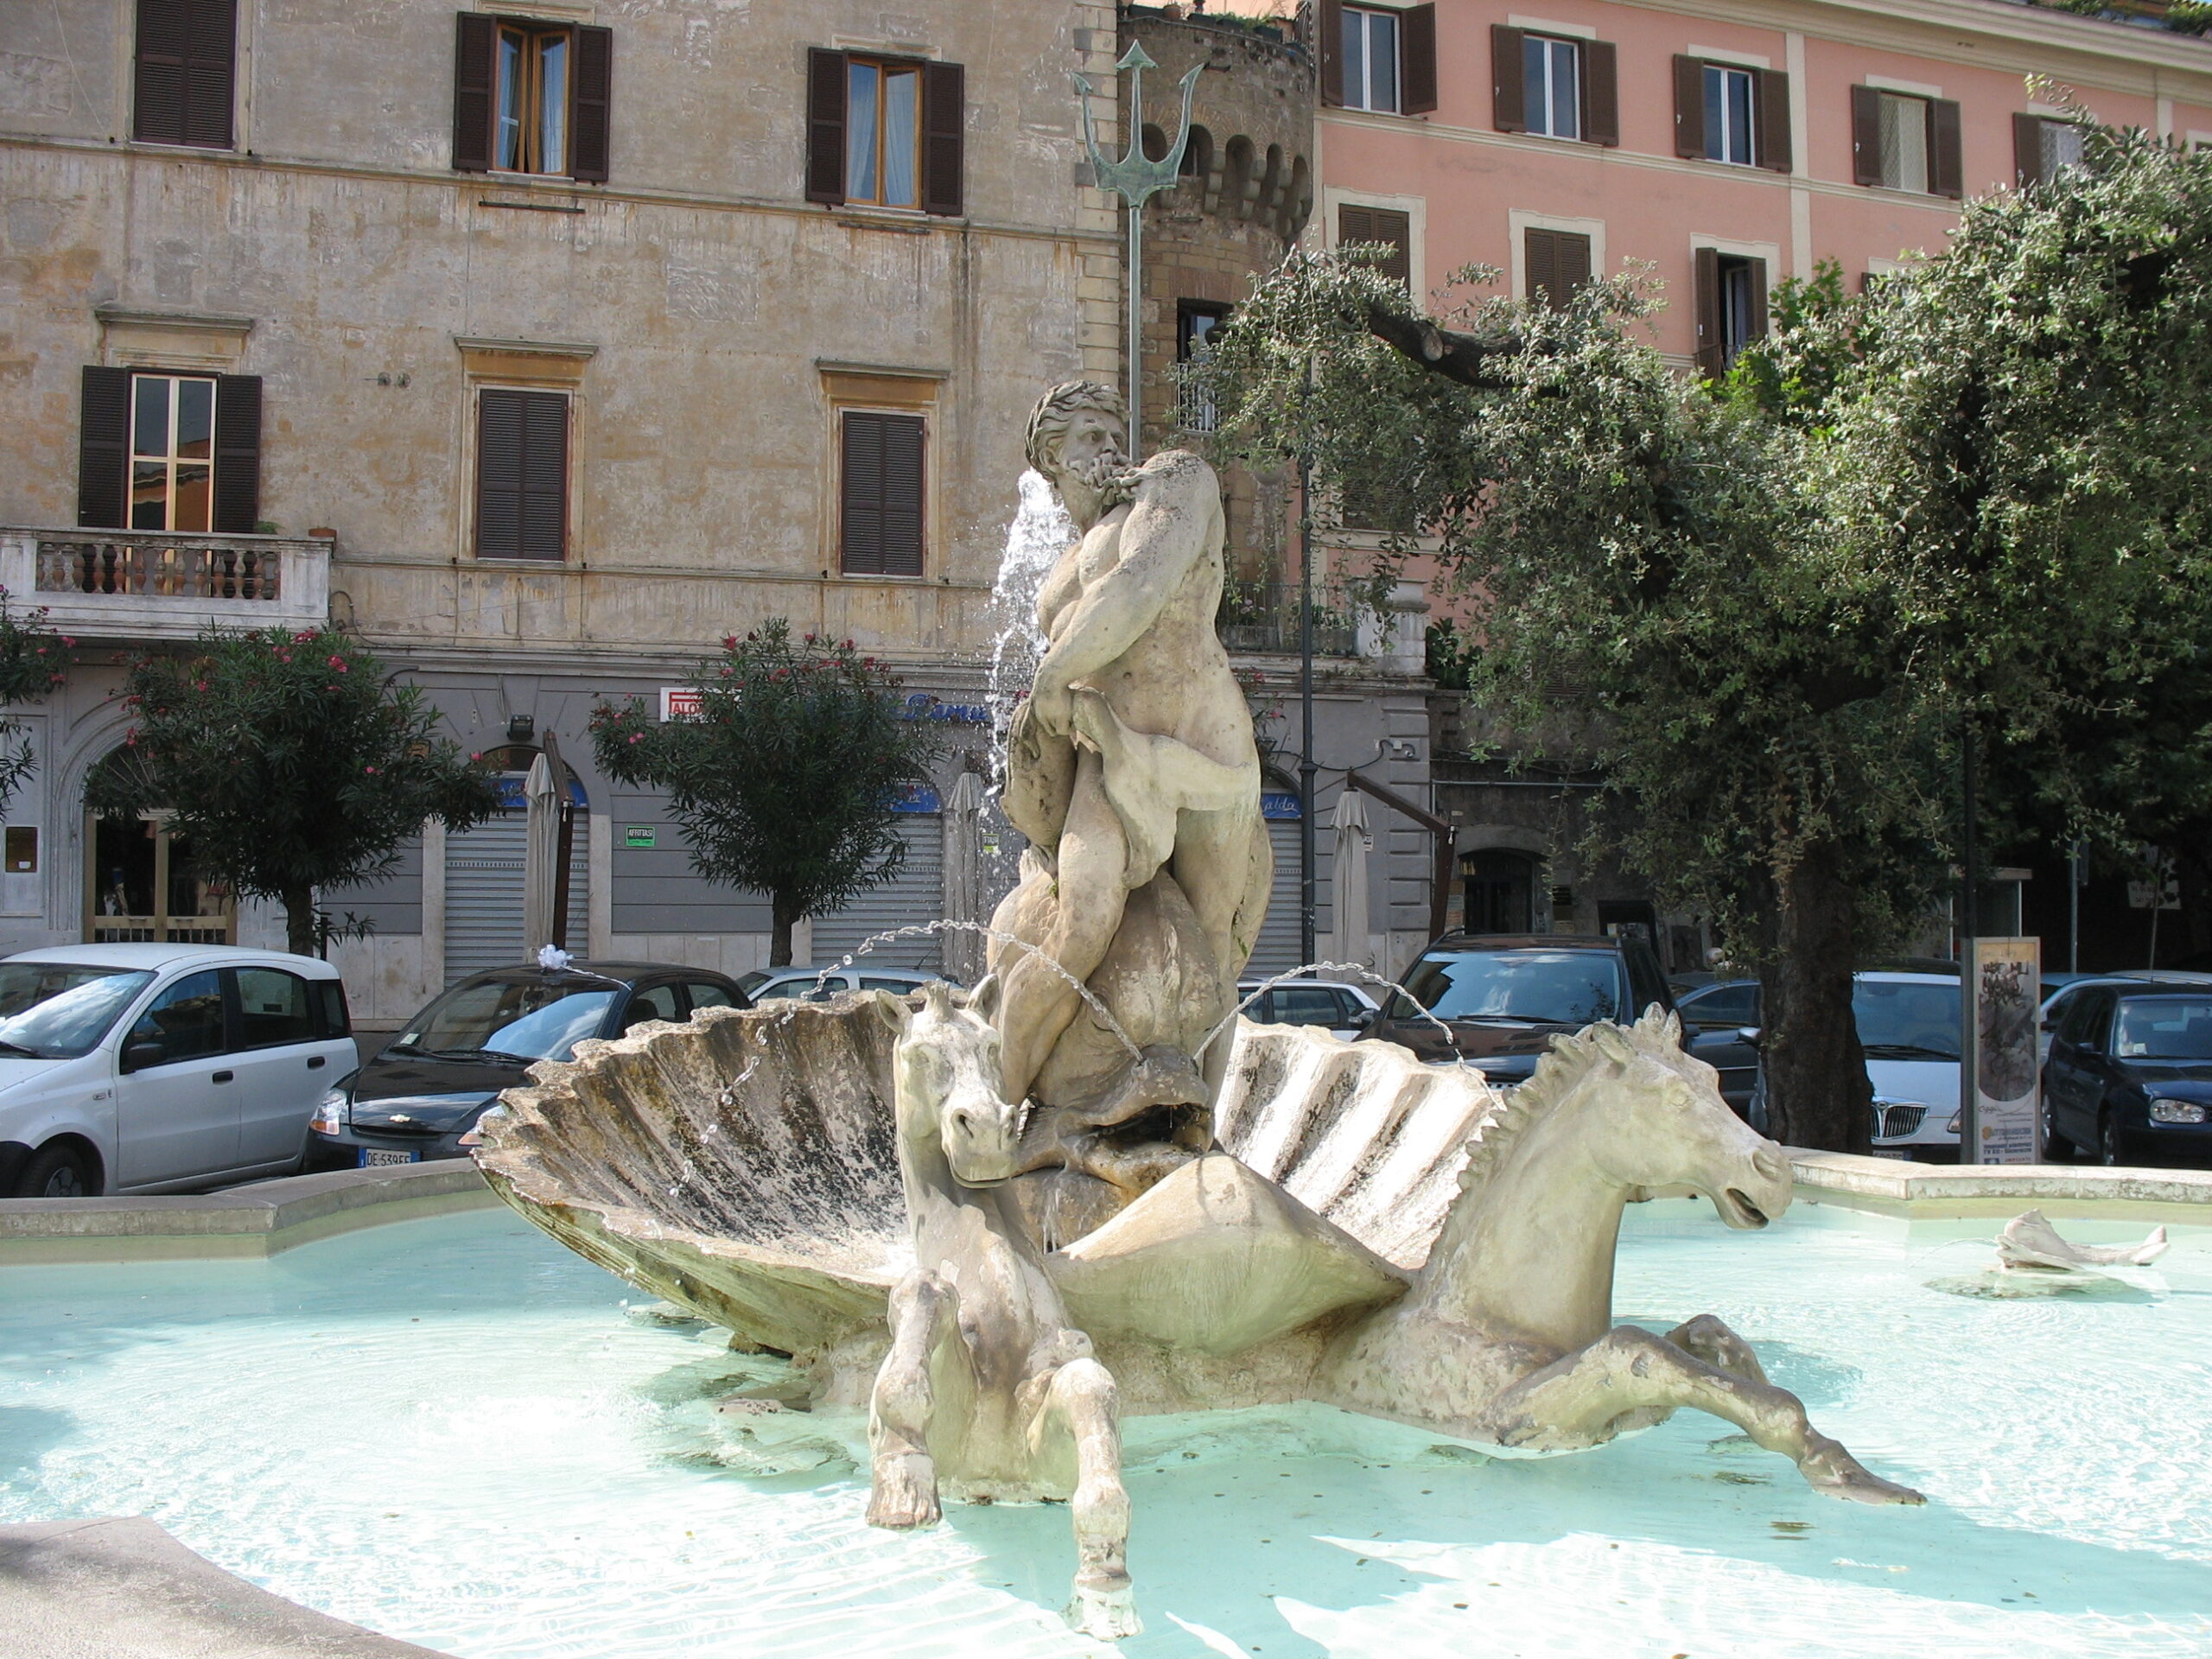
1715, 1018
1504, 997
2129, 1078
426, 1090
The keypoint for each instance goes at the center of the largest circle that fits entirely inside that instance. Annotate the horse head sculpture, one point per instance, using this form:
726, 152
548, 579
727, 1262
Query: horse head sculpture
945, 1072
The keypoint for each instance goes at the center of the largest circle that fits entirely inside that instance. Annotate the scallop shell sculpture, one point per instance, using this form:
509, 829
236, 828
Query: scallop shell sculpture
742, 1166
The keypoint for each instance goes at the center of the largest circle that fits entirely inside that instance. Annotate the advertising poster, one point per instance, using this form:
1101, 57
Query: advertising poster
2003, 982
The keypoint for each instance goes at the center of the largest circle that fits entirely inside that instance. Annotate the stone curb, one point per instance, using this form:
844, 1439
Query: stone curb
262, 1219
1928, 1192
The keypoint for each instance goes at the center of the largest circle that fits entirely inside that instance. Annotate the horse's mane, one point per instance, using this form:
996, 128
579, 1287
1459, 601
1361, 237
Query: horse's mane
1658, 1035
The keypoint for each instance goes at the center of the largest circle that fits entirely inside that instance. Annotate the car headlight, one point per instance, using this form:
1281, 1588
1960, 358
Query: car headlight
1952, 1127
2176, 1111
332, 1113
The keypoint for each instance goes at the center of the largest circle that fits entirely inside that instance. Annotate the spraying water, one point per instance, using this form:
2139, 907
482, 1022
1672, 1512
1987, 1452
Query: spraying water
1040, 532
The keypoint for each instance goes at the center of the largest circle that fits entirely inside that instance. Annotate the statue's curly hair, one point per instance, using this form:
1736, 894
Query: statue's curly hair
1048, 421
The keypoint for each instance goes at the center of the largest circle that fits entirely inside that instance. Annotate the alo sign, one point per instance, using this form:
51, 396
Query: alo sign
2002, 1122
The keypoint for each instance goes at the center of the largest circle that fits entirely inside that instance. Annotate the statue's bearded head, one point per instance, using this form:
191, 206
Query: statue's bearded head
1078, 437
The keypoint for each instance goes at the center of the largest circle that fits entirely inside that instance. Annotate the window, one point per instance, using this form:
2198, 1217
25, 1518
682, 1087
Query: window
887, 132
704, 994
1392, 228
1902, 141
184, 1022
651, 1002
182, 91
172, 452
2044, 148
274, 1007
531, 97
879, 493
522, 474
1727, 115
1375, 60
169, 452
1730, 307
1559, 88
1551, 77
1197, 323
1728, 112
1556, 263
1370, 60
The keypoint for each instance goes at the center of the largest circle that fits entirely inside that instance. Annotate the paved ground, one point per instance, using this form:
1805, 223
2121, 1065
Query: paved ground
122, 1588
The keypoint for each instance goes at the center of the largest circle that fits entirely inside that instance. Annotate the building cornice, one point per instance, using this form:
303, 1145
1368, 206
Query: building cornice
198, 323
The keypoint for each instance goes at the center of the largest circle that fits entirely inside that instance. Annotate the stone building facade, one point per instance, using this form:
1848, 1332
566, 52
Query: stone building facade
544, 345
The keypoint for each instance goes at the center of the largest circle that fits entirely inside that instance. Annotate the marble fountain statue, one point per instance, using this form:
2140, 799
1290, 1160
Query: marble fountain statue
998, 1219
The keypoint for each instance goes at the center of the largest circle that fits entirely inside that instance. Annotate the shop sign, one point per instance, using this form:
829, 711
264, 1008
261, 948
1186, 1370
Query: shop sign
2002, 1015
638, 834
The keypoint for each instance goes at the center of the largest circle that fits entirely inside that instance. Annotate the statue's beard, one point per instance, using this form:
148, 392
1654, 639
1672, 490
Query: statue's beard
1106, 475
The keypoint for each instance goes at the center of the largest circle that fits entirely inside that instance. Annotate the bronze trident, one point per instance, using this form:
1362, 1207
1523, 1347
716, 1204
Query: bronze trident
1136, 180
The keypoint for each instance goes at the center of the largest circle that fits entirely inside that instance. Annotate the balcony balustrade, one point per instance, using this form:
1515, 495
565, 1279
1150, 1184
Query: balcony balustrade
129, 584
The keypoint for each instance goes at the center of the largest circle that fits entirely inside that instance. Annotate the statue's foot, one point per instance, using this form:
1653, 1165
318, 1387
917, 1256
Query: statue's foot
905, 1493
1104, 1606
1833, 1471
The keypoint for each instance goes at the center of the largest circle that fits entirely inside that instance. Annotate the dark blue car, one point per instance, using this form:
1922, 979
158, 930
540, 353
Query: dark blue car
2129, 1079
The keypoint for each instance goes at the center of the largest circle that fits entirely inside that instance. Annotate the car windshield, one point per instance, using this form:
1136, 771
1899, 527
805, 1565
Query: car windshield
1528, 988
1916, 1019
2163, 1029
752, 982
58, 1010
802, 985
524, 1017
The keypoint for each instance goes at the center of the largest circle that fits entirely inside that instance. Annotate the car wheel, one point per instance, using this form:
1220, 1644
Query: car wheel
2107, 1141
2056, 1148
58, 1171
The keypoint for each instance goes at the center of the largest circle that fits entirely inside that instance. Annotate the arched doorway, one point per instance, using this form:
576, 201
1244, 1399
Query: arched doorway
485, 870
1500, 890
144, 882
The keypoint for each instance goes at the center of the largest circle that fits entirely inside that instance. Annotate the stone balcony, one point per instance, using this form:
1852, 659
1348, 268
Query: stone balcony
125, 584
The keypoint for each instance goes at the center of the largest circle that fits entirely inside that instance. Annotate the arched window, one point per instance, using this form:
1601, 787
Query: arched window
144, 881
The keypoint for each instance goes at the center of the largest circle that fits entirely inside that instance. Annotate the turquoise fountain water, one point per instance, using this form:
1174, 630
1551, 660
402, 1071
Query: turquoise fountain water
453, 1431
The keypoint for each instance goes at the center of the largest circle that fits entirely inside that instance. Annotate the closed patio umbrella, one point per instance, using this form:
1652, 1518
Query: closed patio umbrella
541, 856
1350, 940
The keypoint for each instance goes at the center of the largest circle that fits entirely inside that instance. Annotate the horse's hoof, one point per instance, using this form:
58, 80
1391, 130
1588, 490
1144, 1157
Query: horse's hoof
1105, 1608
1833, 1473
904, 1495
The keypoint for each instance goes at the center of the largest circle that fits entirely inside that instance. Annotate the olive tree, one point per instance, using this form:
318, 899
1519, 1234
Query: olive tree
782, 777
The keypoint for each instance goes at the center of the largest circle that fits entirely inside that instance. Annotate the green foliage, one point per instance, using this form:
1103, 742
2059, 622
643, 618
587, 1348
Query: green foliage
292, 763
783, 782
32, 656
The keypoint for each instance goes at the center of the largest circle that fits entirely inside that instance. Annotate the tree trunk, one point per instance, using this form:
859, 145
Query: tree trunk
786, 915
1817, 1092
299, 922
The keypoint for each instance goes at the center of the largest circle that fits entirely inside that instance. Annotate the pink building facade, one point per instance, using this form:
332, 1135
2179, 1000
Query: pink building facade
1730, 143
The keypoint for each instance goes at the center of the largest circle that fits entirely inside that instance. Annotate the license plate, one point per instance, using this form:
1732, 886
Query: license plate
373, 1156
1891, 1152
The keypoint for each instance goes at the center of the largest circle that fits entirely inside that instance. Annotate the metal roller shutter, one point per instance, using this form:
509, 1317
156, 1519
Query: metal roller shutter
484, 895
1277, 950
916, 895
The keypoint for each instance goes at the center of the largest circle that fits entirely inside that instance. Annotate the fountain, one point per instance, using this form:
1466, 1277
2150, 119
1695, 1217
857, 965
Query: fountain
1000, 1220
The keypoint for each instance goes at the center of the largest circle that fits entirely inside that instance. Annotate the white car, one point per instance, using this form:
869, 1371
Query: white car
1909, 1027
1343, 1010
154, 1068
820, 984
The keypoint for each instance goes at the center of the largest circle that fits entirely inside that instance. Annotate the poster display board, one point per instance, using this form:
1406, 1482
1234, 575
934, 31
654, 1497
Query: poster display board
1999, 1082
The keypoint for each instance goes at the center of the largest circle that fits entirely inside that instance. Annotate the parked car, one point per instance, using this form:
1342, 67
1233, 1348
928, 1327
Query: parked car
763, 983
2061, 997
159, 1068
426, 1089
2129, 1079
1908, 1027
1719, 1023
1503, 996
1342, 1010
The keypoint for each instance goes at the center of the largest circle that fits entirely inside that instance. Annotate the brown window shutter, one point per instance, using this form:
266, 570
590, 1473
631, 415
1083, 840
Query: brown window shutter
1773, 96
211, 46
1508, 90
157, 93
1329, 24
1571, 261
591, 109
104, 447
237, 454
1601, 94
902, 495
2027, 149
1383, 225
1539, 270
1946, 170
1417, 59
1866, 135
522, 474
944, 124
825, 125
881, 494
1758, 319
473, 74
1712, 350
1354, 224
1689, 107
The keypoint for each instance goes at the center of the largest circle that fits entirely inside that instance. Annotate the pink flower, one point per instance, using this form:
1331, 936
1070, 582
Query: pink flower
67, 641
637, 737
338, 663
372, 771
